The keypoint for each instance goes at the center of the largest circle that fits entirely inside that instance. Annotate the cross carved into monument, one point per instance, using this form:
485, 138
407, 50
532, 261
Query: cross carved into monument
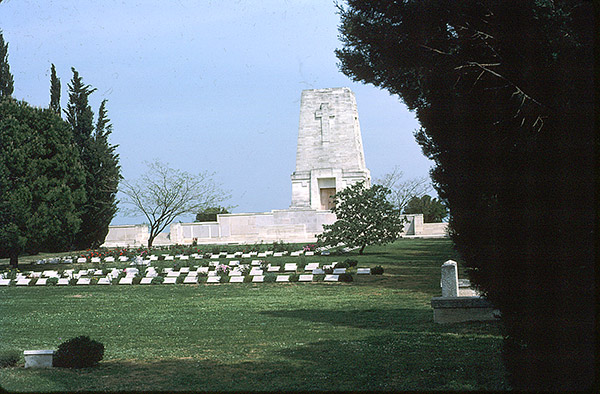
326, 114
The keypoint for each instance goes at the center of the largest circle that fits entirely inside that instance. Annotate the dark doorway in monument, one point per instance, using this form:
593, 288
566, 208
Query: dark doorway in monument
327, 198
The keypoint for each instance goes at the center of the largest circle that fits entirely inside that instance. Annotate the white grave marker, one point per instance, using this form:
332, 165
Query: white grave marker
305, 278
331, 278
258, 279
282, 278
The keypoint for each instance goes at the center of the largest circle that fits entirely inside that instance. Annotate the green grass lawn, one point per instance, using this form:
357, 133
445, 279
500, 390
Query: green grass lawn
376, 333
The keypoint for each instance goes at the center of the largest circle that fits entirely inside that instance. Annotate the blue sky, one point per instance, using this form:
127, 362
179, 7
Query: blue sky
204, 85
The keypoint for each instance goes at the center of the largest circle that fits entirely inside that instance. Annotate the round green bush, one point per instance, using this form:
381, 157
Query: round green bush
157, 280
343, 264
78, 352
345, 278
378, 270
52, 281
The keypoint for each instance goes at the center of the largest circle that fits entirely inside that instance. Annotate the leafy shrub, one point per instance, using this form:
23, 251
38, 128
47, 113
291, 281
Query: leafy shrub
72, 281
294, 277
179, 279
136, 280
78, 352
351, 262
52, 281
345, 278
378, 270
342, 265
9, 358
270, 278
157, 280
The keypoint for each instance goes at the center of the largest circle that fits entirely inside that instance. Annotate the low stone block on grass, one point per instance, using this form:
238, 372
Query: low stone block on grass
170, 280
363, 271
213, 279
104, 281
190, 280
305, 278
236, 279
145, 281
128, 280
258, 279
282, 278
331, 278
38, 358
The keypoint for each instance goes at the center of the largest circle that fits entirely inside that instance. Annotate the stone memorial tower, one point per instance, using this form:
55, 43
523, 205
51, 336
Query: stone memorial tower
330, 153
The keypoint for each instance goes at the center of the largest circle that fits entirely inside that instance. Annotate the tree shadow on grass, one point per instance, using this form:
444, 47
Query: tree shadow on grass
388, 319
390, 361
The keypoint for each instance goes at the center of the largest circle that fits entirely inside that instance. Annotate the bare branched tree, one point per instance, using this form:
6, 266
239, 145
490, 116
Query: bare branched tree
403, 190
163, 193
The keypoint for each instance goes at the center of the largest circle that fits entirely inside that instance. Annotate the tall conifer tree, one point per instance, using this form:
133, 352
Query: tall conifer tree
6, 78
106, 174
80, 117
54, 91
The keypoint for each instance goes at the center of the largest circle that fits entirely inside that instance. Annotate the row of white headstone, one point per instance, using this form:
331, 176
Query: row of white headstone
189, 279
196, 256
233, 271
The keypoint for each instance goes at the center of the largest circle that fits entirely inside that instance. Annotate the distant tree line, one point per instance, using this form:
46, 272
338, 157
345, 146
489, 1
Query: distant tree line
58, 178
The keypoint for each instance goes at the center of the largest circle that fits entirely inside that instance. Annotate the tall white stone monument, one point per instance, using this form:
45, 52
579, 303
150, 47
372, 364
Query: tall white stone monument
330, 154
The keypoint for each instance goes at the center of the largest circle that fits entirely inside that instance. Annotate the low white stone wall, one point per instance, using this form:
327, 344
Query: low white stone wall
127, 235
300, 225
290, 225
435, 229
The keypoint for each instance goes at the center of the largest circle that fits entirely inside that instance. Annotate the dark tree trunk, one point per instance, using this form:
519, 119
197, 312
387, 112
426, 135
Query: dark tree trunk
150, 240
361, 249
14, 259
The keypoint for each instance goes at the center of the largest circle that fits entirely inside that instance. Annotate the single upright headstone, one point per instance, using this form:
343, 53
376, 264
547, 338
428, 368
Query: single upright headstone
330, 154
449, 279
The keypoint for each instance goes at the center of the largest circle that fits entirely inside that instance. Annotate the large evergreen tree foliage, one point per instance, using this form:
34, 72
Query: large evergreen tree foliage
6, 78
364, 216
100, 161
503, 91
41, 179
54, 91
105, 171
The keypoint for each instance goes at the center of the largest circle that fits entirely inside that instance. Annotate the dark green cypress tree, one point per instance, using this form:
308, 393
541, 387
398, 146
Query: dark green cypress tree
41, 181
6, 78
504, 92
54, 91
106, 174
80, 117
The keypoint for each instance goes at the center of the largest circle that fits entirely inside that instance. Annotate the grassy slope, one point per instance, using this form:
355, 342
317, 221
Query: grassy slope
374, 334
